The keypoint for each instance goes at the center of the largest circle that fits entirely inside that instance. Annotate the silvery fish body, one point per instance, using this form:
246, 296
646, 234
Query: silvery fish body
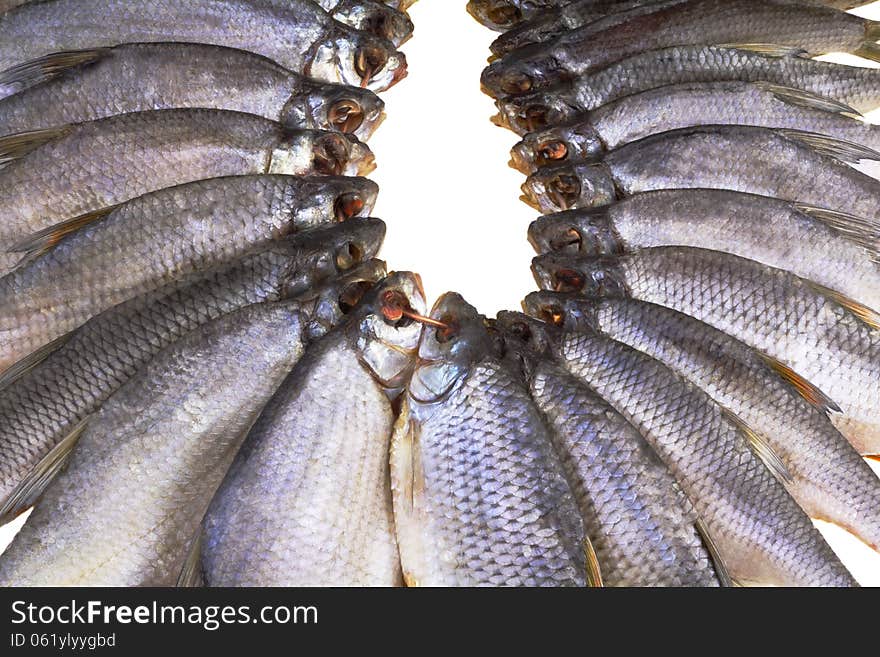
82, 168
856, 86
307, 501
824, 474
787, 164
835, 250
641, 525
42, 406
128, 504
814, 28
822, 337
761, 534
297, 34
480, 498
126, 252
78, 86
693, 104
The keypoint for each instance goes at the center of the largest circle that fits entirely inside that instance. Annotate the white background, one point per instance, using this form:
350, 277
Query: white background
451, 202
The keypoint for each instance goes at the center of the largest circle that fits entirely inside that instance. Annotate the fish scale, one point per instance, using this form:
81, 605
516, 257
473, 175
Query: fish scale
640, 523
856, 86
770, 309
297, 34
125, 509
815, 29
42, 406
179, 230
479, 494
90, 166
307, 500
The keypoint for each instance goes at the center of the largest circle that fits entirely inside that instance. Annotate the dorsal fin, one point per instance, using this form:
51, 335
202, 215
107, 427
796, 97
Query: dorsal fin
31, 488
761, 448
28, 74
191, 574
803, 387
48, 238
808, 100
29, 362
845, 151
720, 568
594, 571
861, 231
868, 315
16, 146
768, 49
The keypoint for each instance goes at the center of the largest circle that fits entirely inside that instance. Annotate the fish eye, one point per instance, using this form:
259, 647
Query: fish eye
368, 61
330, 155
568, 280
517, 83
564, 190
348, 206
351, 295
535, 117
570, 237
449, 331
553, 150
504, 15
346, 115
349, 256
394, 305
521, 330
551, 315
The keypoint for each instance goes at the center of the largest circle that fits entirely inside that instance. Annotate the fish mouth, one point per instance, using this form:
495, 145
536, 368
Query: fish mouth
378, 71
521, 159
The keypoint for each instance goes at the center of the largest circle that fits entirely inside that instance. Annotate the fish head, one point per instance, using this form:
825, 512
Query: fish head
536, 111
563, 311
538, 29
327, 253
375, 18
566, 186
498, 15
351, 57
321, 152
320, 200
447, 353
336, 107
526, 336
566, 143
588, 231
385, 335
576, 274
328, 305
523, 71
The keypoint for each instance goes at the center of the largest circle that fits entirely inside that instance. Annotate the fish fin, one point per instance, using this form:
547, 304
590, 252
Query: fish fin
809, 100
720, 568
28, 74
16, 146
873, 457
32, 487
47, 239
861, 231
845, 151
868, 315
869, 48
191, 575
803, 387
768, 49
594, 571
29, 362
762, 449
